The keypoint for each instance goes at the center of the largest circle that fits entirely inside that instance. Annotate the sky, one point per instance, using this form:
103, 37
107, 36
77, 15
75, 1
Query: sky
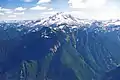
36, 9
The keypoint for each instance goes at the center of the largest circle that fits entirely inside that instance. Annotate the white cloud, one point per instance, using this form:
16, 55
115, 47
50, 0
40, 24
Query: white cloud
19, 13
43, 1
103, 13
108, 13
1, 13
86, 4
20, 9
4, 9
96, 3
8, 12
49, 13
50, 9
94, 9
12, 16
76, 4
38, 8
0, 8
27, 0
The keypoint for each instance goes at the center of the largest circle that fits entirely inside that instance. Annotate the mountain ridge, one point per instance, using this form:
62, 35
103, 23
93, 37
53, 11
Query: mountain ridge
58, 51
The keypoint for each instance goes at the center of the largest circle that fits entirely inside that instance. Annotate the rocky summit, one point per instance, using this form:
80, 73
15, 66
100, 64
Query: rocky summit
60, 47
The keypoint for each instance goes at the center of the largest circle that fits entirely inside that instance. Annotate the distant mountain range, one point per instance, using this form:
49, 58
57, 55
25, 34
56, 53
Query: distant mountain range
60, 47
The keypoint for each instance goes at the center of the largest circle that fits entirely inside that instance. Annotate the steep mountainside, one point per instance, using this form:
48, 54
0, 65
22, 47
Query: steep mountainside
58, 50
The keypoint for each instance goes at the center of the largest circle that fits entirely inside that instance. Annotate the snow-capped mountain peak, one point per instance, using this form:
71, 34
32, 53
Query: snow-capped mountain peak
63, 16
57, 19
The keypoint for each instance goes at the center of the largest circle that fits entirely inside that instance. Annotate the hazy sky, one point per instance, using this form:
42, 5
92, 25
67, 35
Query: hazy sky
35, 9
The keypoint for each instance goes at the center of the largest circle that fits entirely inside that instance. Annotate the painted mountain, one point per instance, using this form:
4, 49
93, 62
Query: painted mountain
60, 47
